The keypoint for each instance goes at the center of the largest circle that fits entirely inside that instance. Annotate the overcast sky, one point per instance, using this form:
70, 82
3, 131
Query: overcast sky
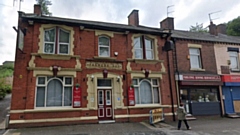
186, 13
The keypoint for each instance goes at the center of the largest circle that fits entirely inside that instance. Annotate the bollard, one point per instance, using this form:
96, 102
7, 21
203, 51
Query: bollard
7, 121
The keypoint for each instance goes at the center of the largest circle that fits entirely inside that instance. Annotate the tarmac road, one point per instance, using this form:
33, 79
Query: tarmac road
4, 108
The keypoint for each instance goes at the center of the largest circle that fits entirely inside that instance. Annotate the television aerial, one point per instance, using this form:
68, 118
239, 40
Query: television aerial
209, 15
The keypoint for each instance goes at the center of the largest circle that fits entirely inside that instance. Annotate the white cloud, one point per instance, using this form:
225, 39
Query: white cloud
151, 12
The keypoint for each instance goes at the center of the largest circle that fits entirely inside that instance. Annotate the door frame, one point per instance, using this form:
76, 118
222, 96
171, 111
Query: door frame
105, 89
228, 90
105, 106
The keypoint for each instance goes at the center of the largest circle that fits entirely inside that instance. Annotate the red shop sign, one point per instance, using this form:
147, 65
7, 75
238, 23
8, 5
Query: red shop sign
201, 78
231, 78
77, 97
131, 96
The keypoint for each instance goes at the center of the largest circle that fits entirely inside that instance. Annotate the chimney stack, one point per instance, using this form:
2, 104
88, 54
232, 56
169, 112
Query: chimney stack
222, 28
167, 23
133, 18
213, 29
37, 10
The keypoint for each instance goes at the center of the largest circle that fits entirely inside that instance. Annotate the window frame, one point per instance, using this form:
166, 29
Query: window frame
44, 42
56, 45
104, 46
198, 55
231, 54
150, 81
48, 79
144, 49
68, 44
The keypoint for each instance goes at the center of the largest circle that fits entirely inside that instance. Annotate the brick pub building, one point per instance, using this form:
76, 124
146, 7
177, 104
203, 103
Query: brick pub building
71, 71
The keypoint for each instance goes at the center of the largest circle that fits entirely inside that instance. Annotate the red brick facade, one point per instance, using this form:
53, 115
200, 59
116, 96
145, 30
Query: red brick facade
29, 64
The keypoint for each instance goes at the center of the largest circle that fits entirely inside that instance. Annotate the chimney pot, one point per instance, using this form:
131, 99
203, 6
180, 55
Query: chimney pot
133, 18
37, 10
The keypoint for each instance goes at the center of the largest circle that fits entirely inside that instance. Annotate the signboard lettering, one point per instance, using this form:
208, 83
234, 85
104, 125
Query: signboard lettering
201, 78
104, 65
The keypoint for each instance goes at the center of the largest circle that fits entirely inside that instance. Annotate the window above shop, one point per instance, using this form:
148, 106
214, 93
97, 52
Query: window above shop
234, 60
195, 58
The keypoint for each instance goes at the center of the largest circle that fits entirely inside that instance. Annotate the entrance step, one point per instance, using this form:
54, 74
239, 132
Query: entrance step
106, 121
190, 117
233, 115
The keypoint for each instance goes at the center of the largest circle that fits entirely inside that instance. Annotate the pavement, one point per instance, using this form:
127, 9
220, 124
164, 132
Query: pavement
208, 125
202, 126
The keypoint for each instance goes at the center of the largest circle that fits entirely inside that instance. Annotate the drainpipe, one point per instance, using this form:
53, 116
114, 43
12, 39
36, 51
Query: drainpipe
177, 72
170, 82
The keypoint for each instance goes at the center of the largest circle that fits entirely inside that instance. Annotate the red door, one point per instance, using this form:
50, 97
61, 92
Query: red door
104, 104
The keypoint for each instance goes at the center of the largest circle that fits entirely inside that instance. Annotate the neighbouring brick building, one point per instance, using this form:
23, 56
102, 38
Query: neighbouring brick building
197, 72
71, 71
227, 60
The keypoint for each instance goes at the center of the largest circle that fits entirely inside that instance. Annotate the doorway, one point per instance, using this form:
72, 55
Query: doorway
104, 99
104, 104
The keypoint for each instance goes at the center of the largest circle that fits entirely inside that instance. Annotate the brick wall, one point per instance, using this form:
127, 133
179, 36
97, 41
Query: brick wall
86, 46
207, 57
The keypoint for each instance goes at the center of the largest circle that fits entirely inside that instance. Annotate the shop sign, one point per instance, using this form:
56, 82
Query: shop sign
131, 96
200, 77
231, 78
77, 97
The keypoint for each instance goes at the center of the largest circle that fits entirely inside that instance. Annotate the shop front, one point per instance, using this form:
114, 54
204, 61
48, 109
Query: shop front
200, 93
231, 94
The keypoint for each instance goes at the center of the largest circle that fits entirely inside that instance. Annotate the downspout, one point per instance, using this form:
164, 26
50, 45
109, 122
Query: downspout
170, 83
177, 72
126, 78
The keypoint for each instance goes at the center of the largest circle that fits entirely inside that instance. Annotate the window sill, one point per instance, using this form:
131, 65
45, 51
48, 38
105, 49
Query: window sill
105, 58
235, 70
57, 109
55, 56
145, 61
197, 69
149, 106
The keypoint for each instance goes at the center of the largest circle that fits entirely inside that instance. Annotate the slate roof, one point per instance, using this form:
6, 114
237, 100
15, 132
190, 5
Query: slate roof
143, 29
203, 36
96, 24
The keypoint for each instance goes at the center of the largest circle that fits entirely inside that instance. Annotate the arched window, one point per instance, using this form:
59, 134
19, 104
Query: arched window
146, 91
54, 92
103, 46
